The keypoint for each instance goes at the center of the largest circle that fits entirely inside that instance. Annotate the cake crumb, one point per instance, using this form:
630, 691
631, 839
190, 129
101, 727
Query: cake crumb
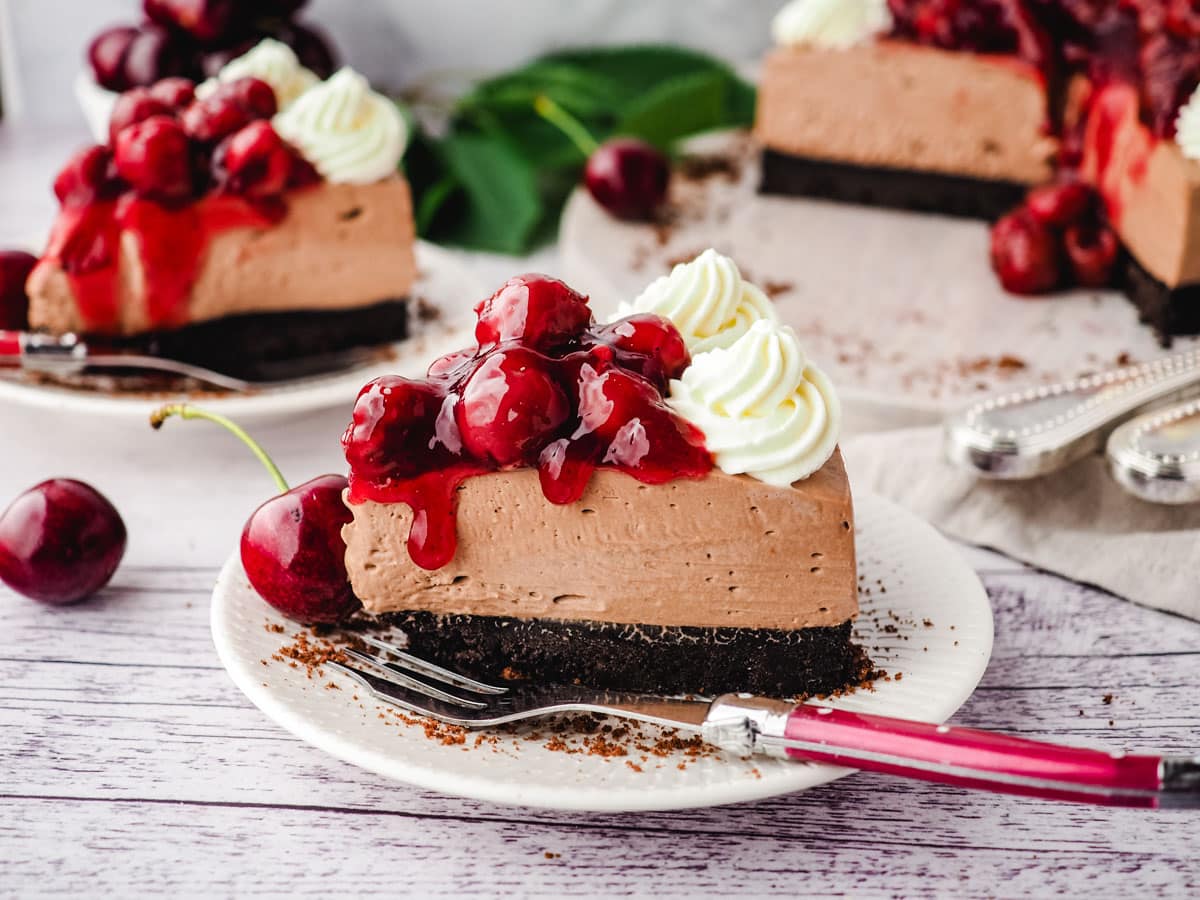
1107, 699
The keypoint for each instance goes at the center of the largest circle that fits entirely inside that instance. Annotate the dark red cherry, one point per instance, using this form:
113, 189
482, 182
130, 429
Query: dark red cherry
106, 55
292, 548
155, 53
88, 175
177, 93
253, 162
452, 365
60, 541
511, 407
392, 429
1060, 205
311, 47
135, 105
229, 108
155, 158
294, 556
1025, 254
1092, 252
204, 20
537, 310
649, 344
628, 177
15, 266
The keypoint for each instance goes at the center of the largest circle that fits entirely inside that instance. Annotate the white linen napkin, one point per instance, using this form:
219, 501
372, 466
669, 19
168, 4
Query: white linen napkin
1076, 522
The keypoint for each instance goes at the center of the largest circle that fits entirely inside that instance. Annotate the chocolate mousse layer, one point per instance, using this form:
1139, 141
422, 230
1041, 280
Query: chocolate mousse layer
339, 247
716, 584
905, 126
722, 551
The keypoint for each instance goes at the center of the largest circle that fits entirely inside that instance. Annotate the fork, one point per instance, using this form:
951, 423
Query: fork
746, 724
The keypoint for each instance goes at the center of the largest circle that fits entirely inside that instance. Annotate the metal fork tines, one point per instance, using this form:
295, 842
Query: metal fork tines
398, 677
1038, 430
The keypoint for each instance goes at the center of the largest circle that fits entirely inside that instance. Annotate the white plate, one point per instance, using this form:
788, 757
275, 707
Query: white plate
901, 309
442, 280
926, 580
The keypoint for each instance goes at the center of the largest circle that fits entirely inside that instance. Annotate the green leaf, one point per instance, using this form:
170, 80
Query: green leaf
677, 108
503, 205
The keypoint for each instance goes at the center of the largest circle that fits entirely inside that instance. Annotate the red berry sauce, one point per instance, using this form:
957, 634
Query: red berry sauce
544, 387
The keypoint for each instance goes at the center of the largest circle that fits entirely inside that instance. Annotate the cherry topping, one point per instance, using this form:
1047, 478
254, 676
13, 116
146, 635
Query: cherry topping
89, 175
292, 548
628, 177
649, 344
154, 53
230, 107
205, 20
133, 106
541, 389
1060, 204
15, 266
1025, 254
390, 435
154, 157
254, 162
536, 309
60, 541
1092, 252
176, 93
106, 55
511, 405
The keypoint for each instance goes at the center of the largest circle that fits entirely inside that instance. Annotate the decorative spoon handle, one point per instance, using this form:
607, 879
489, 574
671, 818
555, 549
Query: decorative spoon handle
1038, 430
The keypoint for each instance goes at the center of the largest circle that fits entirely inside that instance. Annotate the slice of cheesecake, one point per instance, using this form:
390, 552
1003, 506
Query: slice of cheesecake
570, 501
237, 224
905, 126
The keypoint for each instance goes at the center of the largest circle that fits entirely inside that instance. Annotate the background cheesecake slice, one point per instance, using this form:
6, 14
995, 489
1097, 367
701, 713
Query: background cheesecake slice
238, 223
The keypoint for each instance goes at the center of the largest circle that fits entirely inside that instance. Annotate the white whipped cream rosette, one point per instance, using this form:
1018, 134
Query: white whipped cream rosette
831, 24
271, 61
765, 410
351, 134
708, 301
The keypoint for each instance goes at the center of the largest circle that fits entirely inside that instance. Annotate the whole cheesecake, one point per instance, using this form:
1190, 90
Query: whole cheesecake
255, 219
961, 108
570, 501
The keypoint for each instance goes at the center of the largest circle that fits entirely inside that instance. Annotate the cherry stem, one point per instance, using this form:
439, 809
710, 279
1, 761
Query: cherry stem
557, 116
186, 411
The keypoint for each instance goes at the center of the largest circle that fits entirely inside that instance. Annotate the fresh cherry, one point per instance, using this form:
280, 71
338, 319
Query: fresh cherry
1061, 204
390, 434
292, 548
1025, 254
106, 55
176, 93
204, 20
253, 162
135, 105
89, 175
60, 541
511, 406
536, 309
232, 106
15, 266
650, 344
154, 157
628, 177
154, 53
1092, 252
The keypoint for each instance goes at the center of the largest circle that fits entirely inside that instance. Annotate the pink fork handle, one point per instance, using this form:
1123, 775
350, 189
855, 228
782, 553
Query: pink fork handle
10, 348
971, 758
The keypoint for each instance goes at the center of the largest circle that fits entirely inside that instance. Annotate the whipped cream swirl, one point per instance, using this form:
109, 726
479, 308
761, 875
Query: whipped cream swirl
271, 61
707, 299
1187, 127
831, 24
350, 133
765, 410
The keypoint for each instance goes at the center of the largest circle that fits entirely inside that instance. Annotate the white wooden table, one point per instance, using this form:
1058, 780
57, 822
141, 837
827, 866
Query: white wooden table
130, 765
